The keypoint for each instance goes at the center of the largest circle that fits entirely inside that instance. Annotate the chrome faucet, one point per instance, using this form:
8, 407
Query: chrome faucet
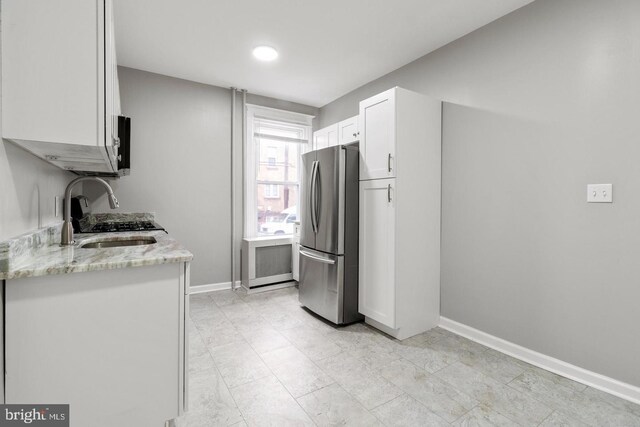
67, 227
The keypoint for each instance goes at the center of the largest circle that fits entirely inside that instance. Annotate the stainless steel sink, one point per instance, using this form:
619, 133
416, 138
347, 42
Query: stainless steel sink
138, 241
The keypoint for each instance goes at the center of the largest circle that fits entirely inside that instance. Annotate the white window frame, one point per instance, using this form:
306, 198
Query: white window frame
251, 163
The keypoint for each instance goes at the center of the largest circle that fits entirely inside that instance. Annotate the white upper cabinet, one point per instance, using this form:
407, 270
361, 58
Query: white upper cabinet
325, 137
378, 136
348, 130
340, 133
60, 97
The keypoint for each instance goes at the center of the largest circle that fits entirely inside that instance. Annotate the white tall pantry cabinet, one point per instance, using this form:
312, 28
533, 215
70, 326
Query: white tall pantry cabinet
400, 146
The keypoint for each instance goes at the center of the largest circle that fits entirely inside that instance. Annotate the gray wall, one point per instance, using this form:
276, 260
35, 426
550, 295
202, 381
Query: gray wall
28, 187
180, 154
539, 104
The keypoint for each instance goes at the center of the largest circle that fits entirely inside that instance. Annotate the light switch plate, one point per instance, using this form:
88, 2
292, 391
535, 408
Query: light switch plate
600, 193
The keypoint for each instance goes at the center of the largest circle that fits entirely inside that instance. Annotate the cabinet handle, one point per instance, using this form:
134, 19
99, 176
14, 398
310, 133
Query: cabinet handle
354, 134
116, 142
389, 162
389, 193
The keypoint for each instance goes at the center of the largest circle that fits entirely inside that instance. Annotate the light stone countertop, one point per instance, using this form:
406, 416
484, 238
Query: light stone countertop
39, 253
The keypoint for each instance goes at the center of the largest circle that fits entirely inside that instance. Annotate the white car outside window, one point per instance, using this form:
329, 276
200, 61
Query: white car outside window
279, 225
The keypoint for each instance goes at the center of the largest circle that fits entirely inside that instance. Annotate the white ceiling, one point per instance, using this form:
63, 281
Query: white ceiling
327, 47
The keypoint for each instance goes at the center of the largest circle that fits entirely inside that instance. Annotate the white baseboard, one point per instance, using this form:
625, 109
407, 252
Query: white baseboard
609, 385
200, 289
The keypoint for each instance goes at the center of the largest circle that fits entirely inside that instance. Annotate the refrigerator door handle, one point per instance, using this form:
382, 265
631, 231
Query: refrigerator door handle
317, 258
316, 193
312, 198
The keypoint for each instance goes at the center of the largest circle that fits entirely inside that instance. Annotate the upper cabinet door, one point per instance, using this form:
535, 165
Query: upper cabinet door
50, 70
378, 136
325, 137
348, 130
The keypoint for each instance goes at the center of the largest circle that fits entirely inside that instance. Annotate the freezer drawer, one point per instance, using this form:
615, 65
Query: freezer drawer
322, 284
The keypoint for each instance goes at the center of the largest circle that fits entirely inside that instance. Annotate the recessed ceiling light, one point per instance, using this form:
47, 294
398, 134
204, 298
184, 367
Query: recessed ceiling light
265, 53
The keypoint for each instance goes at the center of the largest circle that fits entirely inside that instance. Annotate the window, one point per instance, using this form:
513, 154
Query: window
276, 140
271, 191
271, 156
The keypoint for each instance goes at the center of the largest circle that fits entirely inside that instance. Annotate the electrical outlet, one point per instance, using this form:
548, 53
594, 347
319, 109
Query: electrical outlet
56, 206
600, 193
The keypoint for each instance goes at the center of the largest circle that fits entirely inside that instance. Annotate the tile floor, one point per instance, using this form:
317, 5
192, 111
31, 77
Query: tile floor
263, 360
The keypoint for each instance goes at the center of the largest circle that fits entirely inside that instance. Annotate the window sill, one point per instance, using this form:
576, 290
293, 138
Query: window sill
269, 240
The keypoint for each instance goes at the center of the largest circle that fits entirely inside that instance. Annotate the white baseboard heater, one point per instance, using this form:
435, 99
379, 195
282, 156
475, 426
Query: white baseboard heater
266, 261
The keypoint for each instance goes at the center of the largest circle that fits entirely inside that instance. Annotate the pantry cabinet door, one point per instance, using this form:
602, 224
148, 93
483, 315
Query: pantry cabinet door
378, 136
377, 296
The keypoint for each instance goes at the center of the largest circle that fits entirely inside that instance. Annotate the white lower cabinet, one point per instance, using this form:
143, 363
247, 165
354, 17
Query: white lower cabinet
376, 300
112, 344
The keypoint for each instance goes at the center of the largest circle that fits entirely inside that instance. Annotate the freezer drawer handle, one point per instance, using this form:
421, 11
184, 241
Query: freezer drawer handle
317, 258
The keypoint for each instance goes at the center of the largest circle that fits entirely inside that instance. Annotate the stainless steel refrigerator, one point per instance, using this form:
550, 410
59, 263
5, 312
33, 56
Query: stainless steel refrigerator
329, 233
